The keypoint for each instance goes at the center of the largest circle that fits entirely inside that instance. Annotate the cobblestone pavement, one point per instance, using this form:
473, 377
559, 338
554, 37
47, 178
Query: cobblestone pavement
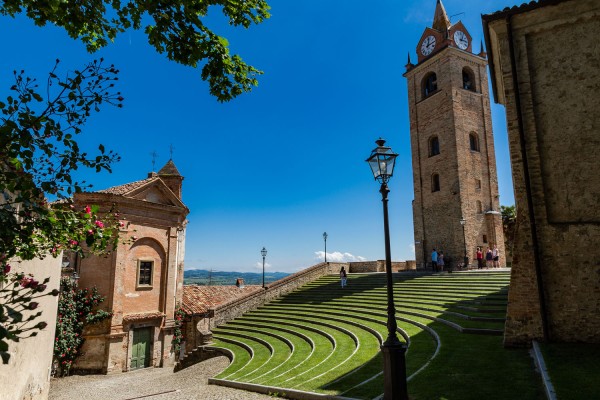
151, 384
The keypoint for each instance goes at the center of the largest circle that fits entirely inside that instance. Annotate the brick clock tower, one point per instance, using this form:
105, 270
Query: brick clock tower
454, 165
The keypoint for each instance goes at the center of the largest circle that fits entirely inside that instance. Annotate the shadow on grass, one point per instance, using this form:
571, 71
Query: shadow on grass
468, 366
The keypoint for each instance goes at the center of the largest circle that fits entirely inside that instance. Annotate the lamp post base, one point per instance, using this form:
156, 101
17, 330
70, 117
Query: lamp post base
394, 371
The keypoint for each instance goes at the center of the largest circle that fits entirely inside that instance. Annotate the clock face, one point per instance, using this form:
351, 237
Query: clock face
428, 45
461, 40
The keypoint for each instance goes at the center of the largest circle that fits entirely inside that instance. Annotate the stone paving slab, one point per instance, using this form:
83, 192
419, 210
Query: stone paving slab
152, 384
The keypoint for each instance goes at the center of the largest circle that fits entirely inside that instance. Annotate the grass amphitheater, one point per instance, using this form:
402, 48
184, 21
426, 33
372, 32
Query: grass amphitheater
324, 339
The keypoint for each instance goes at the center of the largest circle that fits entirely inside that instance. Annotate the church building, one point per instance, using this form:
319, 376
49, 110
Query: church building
142, 279
456, 205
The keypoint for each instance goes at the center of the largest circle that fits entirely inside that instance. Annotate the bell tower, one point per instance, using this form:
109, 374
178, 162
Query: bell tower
452, 145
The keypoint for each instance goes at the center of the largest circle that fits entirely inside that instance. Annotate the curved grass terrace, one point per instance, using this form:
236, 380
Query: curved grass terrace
324, 339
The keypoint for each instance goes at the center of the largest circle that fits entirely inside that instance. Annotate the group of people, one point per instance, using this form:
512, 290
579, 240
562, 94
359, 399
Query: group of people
437, 261
492, 257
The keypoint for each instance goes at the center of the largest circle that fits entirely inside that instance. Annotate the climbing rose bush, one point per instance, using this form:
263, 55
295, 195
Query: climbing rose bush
77, 308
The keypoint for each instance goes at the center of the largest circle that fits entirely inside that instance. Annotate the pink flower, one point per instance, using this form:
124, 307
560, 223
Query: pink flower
73, 242
6, 269
121, 224
134, 237
28, 282
90, 232
88, 210
99, 224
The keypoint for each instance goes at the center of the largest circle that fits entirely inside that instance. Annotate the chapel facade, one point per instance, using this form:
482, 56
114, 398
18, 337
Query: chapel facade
456, 204
141, 279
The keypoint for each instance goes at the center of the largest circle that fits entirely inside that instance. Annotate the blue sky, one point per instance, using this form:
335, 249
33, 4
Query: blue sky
278, 166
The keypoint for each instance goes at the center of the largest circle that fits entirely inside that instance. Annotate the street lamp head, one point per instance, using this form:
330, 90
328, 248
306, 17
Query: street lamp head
382, 161
325, 235
463, 221
263, 252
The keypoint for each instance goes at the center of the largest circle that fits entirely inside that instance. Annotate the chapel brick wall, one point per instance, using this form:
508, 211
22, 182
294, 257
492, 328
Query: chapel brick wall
160, 232
559, 92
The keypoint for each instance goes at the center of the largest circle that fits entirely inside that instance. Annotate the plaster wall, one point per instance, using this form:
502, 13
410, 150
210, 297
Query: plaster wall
27, 375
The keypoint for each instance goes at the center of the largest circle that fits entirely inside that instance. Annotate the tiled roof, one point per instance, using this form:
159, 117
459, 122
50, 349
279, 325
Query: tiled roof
169, 169
128, 187
200, 299
519, 9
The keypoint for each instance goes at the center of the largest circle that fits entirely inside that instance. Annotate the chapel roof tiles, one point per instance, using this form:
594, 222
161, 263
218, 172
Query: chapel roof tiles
127, 187
200, 299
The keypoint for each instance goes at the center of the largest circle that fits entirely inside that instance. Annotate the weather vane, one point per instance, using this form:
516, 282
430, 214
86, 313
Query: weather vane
154, 155
171, 148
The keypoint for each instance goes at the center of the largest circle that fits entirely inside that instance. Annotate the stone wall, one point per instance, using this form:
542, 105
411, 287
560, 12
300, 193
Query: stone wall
550, 85
234, 309
27, 375
379, 266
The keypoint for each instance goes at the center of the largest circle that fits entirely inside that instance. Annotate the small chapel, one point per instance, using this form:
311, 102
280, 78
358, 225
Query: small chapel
141, 280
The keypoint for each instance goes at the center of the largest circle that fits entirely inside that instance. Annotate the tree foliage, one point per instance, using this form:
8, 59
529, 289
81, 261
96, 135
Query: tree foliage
509, 222
174, 28
38, 156
77, 308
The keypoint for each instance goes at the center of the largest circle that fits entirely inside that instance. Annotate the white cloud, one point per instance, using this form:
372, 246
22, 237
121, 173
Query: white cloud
336, 256
258, 265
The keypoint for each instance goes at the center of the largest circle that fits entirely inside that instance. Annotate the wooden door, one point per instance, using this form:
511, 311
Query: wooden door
140, 352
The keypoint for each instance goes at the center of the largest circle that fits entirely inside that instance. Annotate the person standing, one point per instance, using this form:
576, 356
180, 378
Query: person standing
479, 258
489, 258
441, 261
434, 260
496, 257
343, 277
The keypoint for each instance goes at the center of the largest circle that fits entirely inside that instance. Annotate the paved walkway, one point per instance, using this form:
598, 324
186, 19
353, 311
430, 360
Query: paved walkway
151, 384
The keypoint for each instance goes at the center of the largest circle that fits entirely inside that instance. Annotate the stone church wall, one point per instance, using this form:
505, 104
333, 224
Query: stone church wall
553, 142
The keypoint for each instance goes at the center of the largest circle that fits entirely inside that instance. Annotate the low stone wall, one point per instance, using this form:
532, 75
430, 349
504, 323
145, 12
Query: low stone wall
228, 311
379, 266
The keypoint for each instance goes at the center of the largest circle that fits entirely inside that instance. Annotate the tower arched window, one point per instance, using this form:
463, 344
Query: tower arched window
479, 207
468, 79
473, 141
435, 183
434, 146
429, 84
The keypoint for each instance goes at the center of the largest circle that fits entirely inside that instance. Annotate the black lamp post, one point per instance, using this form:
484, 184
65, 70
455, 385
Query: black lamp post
382, 162
263, 252
325, 239
463, 222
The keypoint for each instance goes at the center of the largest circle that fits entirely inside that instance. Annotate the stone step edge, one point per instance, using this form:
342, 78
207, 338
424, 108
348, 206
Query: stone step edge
276, 391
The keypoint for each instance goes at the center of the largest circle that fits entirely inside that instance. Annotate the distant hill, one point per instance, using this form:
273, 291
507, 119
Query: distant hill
205, 277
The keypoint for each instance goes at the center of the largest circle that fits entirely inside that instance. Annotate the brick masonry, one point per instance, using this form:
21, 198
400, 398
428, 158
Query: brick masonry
468, 179
556, 62
153, 212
